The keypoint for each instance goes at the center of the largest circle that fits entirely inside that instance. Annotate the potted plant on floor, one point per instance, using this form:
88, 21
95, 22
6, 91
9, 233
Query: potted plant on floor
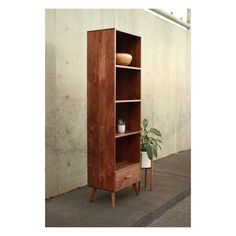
121, 125
150, 144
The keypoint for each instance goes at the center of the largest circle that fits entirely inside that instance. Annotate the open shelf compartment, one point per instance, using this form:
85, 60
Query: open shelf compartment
130, 113
128, 85
127, 43
127, 151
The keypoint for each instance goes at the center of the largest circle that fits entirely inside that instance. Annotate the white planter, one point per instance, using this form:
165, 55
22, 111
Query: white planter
145, 161
121, 128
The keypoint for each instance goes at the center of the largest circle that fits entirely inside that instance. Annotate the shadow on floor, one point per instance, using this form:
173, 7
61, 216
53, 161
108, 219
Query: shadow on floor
172, 183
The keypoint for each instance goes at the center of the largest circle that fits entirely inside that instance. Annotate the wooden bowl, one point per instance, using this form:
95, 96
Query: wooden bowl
123, 59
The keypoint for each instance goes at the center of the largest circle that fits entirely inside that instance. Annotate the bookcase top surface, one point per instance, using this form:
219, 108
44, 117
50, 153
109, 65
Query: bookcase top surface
117, 30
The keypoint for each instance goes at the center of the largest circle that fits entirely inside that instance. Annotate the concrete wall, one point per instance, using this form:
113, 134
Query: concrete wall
165, 86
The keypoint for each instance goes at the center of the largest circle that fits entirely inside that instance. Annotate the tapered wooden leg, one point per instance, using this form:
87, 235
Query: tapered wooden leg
93, 195
145, 178
139, 189
135, 188
151, 176
113, 199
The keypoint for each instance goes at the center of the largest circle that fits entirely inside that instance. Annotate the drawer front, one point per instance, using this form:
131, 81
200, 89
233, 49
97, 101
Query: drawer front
127, 176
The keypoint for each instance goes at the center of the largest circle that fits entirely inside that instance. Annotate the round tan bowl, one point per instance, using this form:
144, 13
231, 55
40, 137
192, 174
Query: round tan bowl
123, 59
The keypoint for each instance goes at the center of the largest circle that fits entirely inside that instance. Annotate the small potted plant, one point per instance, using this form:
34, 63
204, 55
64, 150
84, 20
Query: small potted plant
150, 144
121, 125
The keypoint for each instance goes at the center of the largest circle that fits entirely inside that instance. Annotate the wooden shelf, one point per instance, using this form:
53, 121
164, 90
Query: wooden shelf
123, 101
124, 164
128, 67
120, 135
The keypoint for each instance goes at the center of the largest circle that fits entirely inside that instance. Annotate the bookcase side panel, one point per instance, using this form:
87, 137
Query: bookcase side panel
101, 120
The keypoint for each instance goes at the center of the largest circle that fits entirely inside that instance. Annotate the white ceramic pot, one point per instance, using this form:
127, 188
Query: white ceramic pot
121, 128
145, 161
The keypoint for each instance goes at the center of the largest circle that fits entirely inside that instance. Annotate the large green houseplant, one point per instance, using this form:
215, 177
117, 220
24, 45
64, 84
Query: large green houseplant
150, 144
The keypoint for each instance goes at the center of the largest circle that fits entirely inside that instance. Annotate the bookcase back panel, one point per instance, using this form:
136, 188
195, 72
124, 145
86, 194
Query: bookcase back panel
127, 84
130, 112
128, 149
127, 43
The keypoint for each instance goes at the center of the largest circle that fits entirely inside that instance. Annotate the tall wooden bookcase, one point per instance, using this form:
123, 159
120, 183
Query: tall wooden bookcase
113, 92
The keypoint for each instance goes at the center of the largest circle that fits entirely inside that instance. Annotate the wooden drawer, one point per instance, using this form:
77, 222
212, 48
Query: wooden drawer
127, 176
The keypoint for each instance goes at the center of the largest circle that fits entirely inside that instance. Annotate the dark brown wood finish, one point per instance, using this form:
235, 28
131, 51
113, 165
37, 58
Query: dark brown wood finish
127, 133
136, 188
113, 92
151, 172
128, 149
129, 44
127, 176
128, 85
101, 114
130, 112
151, 175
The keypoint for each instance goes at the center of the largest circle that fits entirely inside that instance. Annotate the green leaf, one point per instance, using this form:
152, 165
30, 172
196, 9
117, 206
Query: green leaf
154, 150
149, 152
153, 139
142, 133
145, 123
157, 140
143, 148
159, 146
155, 131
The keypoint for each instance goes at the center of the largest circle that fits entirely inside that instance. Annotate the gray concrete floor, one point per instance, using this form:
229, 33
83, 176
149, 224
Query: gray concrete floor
177, 216
167, 205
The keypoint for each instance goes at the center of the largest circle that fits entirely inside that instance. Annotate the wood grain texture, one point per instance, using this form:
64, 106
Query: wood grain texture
123, 164
128, 148
128, 84
113, 160
127, 176
127, 43
101, 113
130, 112
127, 133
